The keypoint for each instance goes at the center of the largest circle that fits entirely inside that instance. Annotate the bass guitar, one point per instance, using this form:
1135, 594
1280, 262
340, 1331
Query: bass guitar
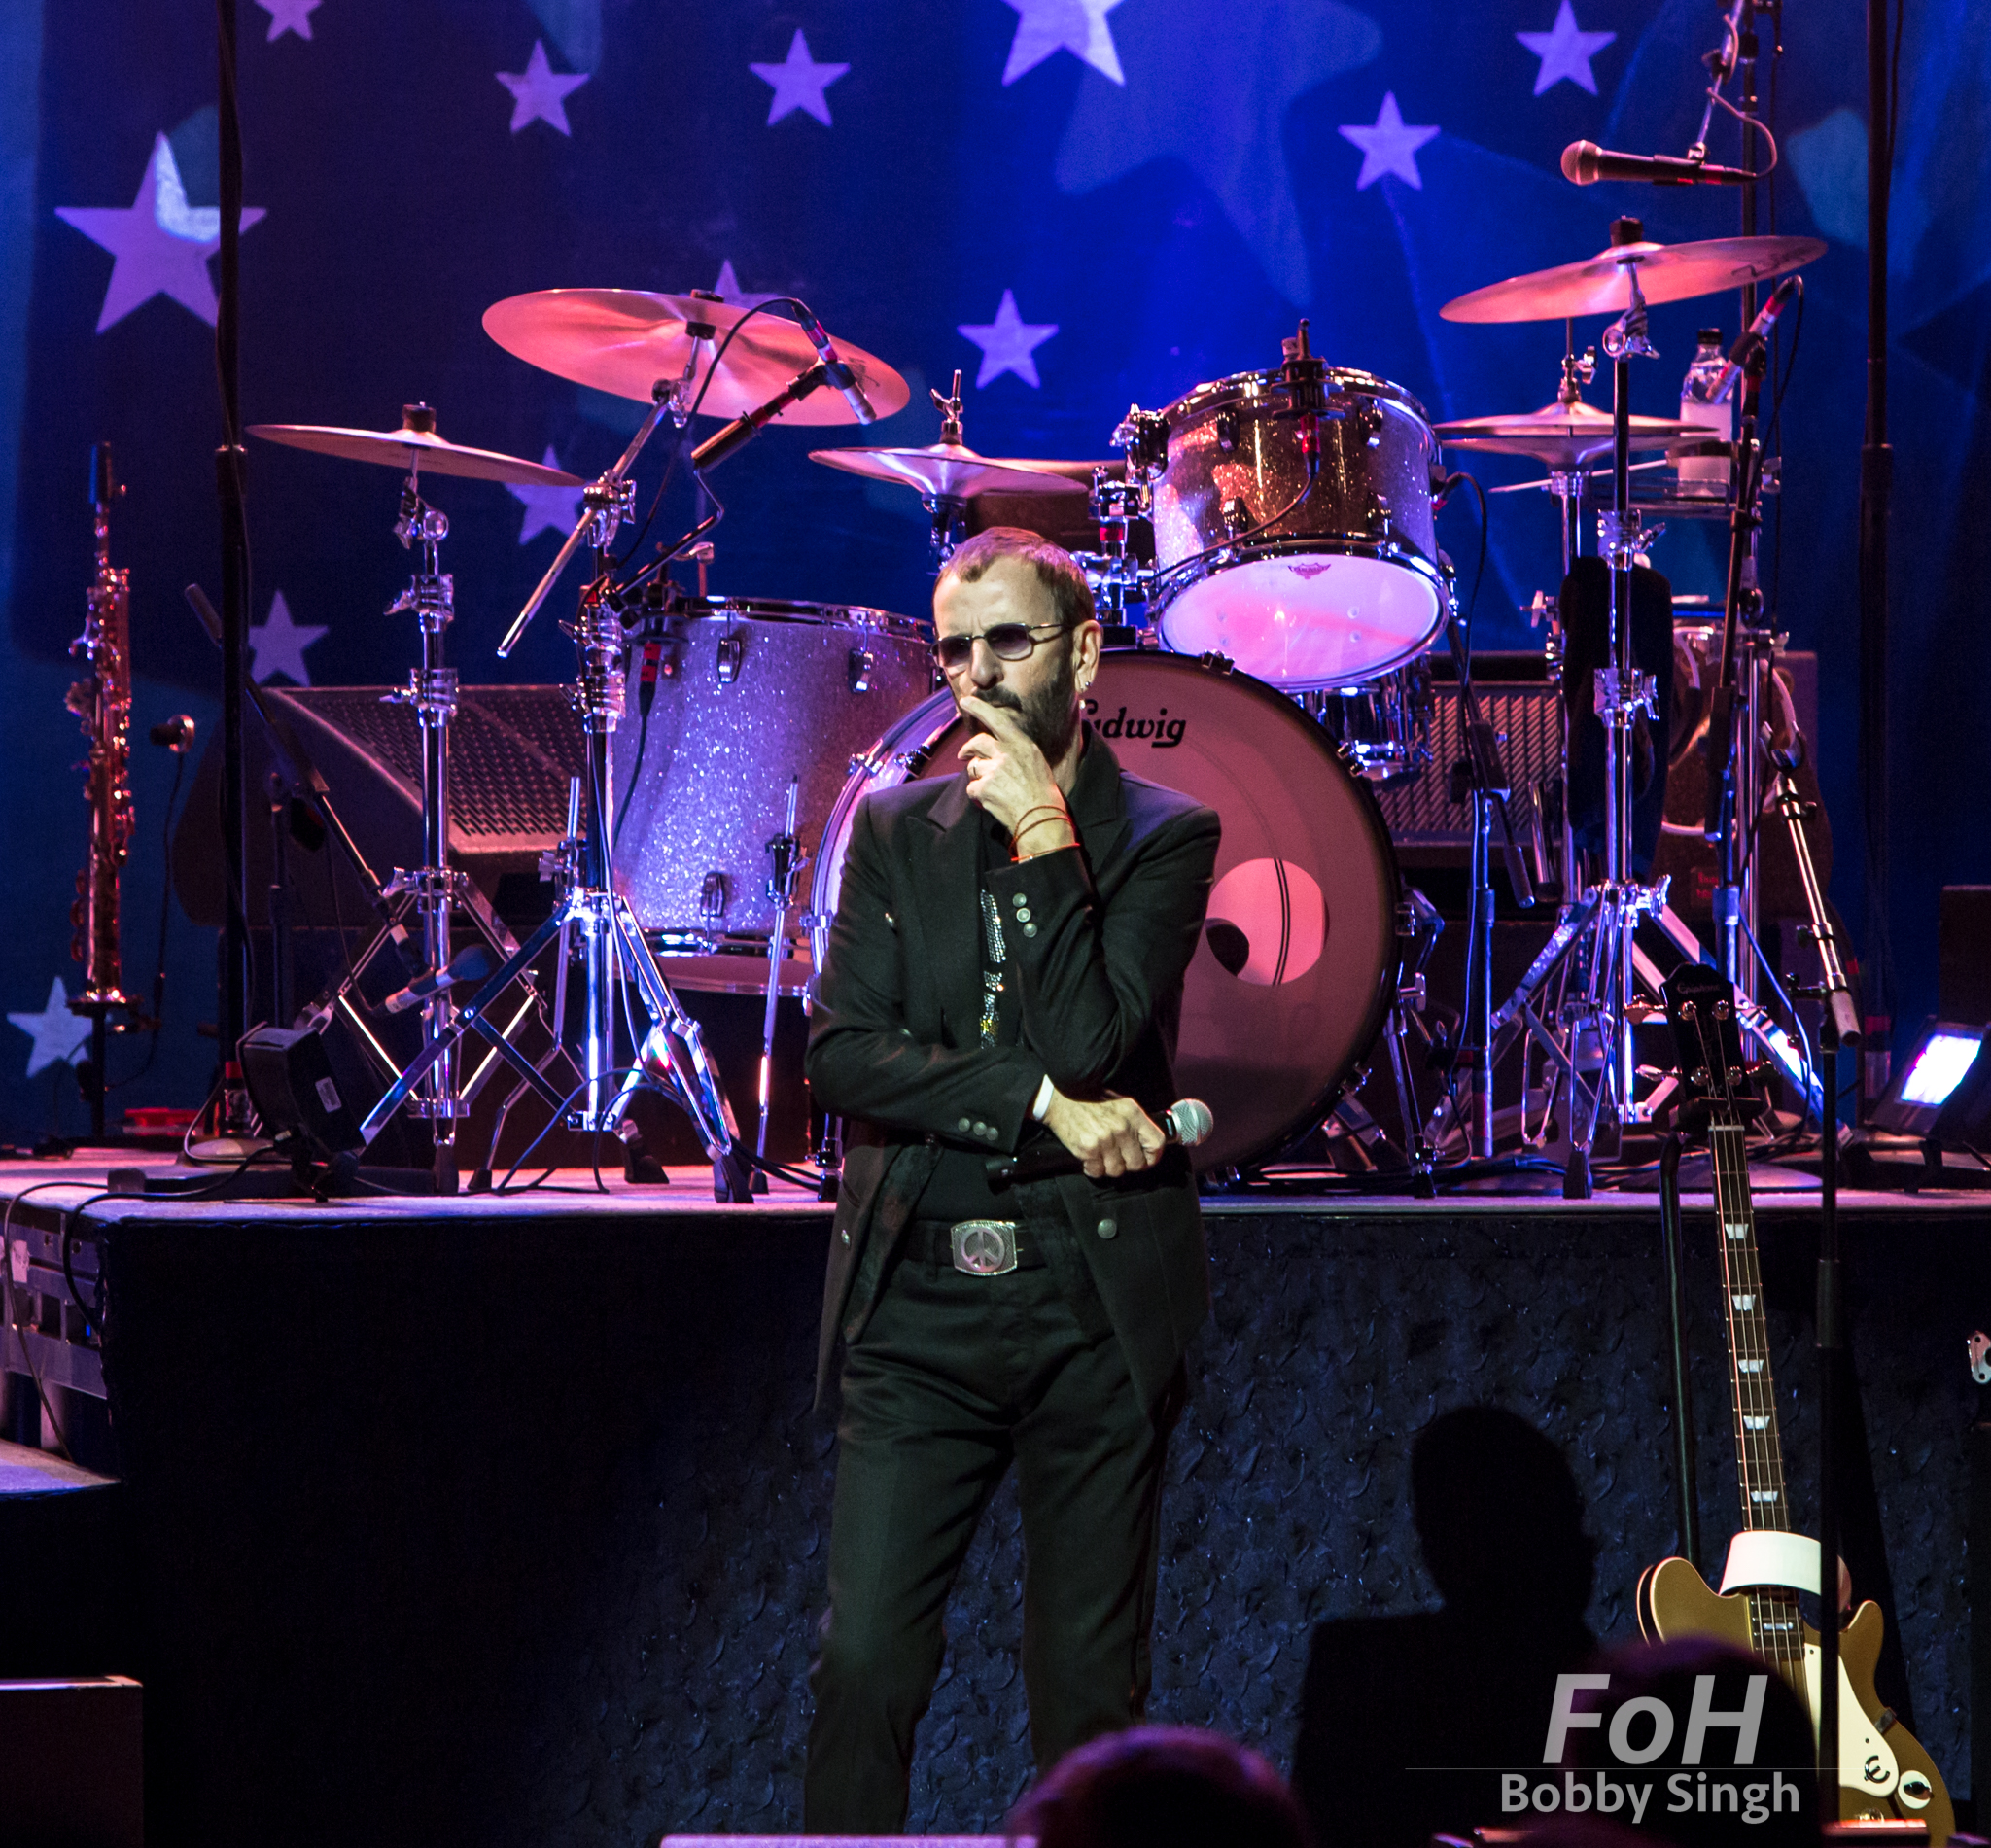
1884, 1773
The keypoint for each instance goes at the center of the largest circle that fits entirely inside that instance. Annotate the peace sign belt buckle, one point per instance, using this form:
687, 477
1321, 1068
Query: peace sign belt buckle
984, 1247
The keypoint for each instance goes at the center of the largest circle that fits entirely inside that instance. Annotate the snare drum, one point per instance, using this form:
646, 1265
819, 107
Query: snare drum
1297, 967
749, 694
1384, 728
1343, 589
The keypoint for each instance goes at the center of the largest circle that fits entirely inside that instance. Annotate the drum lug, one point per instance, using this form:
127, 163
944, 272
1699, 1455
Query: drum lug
857, 667
732, 651
1215, 663
713, 897
1227, 430
1236, 515
1144, 436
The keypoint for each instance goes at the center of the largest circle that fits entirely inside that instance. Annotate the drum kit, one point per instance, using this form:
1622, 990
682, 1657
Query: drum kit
1276, 660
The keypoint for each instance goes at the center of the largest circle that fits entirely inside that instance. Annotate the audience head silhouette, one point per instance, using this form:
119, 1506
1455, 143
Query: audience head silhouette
1162, 1786
1499, 1517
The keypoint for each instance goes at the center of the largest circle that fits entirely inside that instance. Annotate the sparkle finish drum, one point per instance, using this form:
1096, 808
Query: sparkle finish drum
1294, 976
1384, 728
749, 693
1343, 589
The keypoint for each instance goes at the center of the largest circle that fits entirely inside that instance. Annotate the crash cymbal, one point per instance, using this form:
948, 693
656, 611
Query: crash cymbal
1562, 437
624, 341
415, 446
951, 472
1667, 273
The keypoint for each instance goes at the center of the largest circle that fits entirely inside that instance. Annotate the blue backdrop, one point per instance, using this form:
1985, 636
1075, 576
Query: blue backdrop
1081, 202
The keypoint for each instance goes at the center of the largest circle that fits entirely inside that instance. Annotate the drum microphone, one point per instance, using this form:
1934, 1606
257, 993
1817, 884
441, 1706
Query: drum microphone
467, 966
1585, 164
1185, 1123
834, 371
1744, 350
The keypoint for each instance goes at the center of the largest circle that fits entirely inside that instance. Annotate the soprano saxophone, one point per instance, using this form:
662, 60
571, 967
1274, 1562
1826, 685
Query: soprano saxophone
102, 703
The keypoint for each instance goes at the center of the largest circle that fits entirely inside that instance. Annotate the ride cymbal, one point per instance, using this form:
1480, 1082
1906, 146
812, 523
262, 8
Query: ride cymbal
415, 446
1667, 273
625, 340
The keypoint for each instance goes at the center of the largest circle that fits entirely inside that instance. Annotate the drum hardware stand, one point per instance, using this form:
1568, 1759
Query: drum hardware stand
1118, 580
948, 513
785, 852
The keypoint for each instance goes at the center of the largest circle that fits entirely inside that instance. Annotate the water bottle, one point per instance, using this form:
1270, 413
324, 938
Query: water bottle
1705, 475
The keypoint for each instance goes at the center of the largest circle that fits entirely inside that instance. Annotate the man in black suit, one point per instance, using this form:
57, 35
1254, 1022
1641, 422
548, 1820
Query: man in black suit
1004, 974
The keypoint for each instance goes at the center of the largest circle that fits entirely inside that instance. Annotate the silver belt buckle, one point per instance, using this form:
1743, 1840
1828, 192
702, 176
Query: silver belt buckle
984, 1247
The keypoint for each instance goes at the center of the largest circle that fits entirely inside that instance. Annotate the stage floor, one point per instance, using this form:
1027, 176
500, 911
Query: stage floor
504, 1518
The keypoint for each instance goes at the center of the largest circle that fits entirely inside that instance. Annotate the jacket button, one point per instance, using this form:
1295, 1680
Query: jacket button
1023, 914
1108, 1228
1030, 930
847, 1237
966, 1121
1019, 899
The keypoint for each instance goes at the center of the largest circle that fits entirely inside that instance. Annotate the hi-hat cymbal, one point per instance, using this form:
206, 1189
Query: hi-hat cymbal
416, 445
624, 341
1562, 437
951, 472
1667, 273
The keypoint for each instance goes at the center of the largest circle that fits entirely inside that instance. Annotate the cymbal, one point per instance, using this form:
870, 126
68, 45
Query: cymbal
951, 472
624, 341
1667, 273
1562, 437
412, 447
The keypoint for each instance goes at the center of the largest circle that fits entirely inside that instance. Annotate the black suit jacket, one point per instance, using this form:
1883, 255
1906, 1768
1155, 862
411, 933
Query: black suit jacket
894, 1042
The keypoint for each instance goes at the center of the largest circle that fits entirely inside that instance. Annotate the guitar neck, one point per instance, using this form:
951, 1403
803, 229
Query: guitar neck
1773, 1615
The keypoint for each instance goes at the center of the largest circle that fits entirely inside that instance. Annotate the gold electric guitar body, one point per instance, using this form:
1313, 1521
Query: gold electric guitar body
1897, 1779
1884, 1773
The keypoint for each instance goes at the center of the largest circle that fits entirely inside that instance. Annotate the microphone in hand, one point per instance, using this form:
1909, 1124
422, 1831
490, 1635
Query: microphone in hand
1184, 1123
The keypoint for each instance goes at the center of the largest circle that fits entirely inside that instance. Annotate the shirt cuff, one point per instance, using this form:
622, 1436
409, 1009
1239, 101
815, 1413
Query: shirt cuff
1045, 1093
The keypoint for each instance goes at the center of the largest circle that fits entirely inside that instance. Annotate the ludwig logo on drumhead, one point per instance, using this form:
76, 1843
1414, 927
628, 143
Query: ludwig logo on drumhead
1266, 921
1163, 732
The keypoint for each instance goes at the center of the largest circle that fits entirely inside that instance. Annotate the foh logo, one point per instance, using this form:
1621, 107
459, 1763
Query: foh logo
1162, 732
1639, 1731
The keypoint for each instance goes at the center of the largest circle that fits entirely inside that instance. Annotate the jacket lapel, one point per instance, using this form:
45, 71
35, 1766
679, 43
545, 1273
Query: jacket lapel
1096, 803
947, 882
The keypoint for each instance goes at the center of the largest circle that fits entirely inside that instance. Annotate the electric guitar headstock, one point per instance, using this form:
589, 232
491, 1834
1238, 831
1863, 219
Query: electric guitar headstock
1717, 1083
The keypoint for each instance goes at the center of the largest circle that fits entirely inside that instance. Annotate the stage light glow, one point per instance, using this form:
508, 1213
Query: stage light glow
1938, 1064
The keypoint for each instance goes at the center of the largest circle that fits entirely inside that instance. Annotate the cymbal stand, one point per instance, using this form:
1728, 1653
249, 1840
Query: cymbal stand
672, 1054
947, 511
435, 891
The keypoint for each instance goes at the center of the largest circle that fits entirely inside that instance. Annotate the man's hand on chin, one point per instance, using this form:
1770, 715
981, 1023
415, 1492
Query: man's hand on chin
1111, 1137
1009, 778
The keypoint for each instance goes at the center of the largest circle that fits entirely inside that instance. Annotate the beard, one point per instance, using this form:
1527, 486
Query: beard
1048, 714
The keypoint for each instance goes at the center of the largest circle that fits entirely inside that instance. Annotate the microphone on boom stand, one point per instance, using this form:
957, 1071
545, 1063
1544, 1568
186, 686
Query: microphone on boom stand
1585, 164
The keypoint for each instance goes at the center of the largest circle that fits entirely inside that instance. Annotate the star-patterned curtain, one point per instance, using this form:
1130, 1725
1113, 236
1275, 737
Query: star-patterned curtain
1079, 203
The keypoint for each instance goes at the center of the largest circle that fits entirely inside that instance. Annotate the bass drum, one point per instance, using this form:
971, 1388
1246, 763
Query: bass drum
1297, 966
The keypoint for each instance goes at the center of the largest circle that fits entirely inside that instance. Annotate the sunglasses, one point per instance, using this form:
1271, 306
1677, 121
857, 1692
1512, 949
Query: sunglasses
1007, 642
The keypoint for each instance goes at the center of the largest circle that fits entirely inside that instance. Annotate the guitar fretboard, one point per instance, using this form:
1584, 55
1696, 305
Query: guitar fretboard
1773, 1616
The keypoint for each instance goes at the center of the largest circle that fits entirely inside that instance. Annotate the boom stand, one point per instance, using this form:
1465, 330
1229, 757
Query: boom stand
1840, 1027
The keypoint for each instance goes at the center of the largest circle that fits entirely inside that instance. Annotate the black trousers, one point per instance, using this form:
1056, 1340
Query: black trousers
954, 1377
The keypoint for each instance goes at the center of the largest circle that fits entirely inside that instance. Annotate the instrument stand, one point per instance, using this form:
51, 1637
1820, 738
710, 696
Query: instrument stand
948, 513
671, 1055
1840, 1026
430, 895
784, 852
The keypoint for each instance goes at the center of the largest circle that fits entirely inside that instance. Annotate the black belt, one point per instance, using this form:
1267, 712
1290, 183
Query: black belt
976, 1248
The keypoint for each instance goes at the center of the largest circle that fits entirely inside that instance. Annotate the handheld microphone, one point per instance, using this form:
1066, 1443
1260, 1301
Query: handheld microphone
1185, 1123
834, 369
1585, 164
467, 966
1739, 354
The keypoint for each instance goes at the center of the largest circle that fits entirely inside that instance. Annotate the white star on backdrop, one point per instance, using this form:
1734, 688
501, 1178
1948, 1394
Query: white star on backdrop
1388, 144
545, 506
798, 82
277, 646
288, 16
1007, 344
539, 92
57, 1033
728, 288
1565, 52
162, 244
1045, 27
